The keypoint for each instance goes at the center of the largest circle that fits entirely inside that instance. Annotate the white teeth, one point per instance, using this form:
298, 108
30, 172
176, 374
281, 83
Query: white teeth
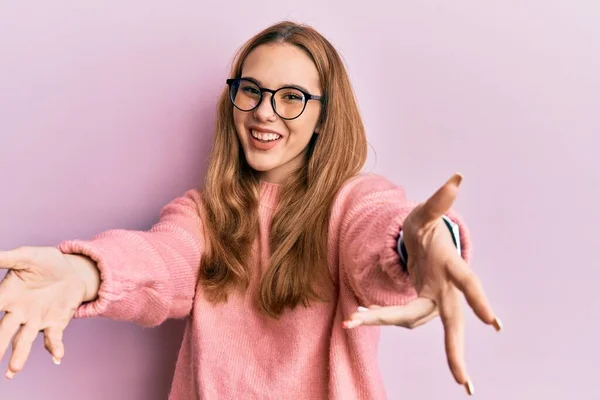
265, 136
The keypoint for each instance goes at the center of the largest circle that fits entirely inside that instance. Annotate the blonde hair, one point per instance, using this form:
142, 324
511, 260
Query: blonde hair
298, 266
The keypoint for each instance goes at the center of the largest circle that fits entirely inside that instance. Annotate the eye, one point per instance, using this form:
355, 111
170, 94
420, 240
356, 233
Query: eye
250, 89
292, 96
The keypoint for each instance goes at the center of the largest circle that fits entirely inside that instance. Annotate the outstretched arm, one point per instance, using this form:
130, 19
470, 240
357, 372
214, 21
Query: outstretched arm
435, 272
146, 276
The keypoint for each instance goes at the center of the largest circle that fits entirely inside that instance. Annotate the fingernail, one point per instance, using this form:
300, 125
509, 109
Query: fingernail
352, 323
56, 360
469, 387
458, 178
363, 309
497, 324
9, 374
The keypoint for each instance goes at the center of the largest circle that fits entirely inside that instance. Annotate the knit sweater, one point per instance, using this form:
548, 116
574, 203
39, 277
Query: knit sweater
231, 350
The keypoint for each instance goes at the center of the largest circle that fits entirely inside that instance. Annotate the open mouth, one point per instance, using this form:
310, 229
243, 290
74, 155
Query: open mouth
265, 137
264, 141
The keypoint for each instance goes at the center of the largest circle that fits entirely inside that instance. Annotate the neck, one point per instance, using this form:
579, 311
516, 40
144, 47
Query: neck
282, 173
276, 176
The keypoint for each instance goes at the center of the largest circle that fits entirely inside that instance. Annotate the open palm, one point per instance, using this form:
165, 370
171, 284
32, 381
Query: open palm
439, 276
40, 292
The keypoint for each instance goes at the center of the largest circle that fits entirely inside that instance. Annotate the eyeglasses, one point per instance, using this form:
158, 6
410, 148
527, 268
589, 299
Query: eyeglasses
288, 102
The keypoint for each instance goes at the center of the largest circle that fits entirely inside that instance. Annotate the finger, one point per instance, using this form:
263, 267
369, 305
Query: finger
9, 326
12, 259
454, 333
22, 348
53, 342
470, 285
372, 307
441, 201
425, 319
406, 316
53, 334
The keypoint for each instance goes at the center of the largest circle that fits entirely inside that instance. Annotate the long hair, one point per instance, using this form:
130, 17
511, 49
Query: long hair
298, 269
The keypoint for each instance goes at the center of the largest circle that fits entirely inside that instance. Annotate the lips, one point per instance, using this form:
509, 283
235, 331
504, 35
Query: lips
264, 136
262, 139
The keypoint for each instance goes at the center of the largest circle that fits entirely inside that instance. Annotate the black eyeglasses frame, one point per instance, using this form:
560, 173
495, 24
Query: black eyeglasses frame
307, 96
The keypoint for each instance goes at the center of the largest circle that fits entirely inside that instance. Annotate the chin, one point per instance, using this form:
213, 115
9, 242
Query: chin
261, 167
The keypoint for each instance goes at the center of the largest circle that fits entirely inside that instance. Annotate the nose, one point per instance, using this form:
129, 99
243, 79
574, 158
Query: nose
265, 111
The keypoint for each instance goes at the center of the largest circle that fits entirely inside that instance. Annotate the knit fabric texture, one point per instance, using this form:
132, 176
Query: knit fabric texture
231, 350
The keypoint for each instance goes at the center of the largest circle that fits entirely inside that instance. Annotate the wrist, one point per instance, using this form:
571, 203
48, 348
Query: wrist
87, 270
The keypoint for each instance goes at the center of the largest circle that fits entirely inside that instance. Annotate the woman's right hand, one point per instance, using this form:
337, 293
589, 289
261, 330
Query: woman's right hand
40, 293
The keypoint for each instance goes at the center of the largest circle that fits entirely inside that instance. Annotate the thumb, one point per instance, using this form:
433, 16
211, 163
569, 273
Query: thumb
12, 259
407, 315
441, 201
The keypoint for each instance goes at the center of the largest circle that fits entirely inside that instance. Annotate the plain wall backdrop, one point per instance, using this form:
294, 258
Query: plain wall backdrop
106, 114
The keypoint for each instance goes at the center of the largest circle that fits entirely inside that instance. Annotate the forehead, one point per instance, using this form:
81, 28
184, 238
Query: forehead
276, 65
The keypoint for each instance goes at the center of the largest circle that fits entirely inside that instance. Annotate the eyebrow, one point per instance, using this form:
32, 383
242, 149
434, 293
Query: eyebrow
284, 85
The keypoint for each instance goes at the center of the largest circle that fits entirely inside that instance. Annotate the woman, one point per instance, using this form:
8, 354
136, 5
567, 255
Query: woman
277, 258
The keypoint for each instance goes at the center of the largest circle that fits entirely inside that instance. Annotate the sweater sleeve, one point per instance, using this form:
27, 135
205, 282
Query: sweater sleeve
373, 213
147, 276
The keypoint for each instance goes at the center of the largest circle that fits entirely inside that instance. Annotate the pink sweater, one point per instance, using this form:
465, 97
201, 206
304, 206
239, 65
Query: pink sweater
231, 351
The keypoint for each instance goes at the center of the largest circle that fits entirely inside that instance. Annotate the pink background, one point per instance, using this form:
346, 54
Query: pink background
106, 110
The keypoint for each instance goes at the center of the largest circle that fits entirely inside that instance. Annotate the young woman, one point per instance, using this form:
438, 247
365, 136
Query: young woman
278, 260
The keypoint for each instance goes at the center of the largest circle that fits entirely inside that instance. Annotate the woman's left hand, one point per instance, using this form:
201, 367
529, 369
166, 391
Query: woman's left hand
439, 275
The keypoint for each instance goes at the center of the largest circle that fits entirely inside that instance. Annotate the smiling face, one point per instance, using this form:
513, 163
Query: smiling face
274, 146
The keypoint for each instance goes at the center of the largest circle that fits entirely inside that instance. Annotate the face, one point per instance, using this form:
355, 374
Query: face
274, 146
